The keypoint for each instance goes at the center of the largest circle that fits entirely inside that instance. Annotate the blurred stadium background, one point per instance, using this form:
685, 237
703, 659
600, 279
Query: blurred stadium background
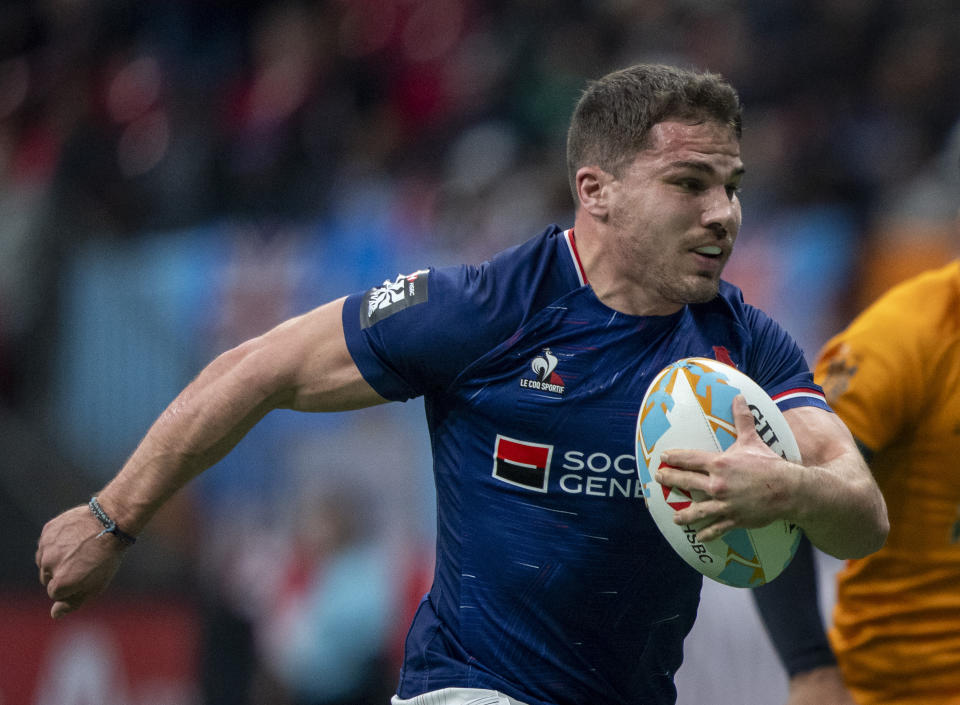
178, 175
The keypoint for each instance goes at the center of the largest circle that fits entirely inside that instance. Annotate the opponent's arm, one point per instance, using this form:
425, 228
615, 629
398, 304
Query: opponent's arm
832, 496
301, 364
790, 609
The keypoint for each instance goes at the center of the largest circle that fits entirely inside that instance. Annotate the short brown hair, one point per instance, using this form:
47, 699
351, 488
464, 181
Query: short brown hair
615, 113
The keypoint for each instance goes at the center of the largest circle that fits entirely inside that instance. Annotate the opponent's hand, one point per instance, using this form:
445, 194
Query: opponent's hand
745, 486
74, 563
821, 686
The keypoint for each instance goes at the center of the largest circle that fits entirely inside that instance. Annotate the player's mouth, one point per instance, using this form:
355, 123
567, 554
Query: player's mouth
710, 258
711, 251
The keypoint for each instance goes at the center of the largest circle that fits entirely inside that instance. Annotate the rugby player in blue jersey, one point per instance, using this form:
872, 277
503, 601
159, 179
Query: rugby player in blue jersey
552, 585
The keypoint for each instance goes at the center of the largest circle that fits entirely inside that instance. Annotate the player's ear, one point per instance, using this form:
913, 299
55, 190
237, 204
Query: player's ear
593, 190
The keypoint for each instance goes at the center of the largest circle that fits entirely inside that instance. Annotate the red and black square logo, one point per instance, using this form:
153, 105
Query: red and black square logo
522, 463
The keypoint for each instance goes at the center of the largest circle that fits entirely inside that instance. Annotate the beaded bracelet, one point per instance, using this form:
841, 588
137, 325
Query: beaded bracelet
110, 526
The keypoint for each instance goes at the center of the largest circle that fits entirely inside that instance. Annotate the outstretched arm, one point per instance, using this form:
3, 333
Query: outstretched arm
301, 364
832, 496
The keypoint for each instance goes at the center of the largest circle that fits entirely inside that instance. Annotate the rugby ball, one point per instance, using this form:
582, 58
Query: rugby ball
689, 406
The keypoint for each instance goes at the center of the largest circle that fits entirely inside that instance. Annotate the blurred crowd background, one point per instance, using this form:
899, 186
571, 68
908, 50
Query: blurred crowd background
179, 175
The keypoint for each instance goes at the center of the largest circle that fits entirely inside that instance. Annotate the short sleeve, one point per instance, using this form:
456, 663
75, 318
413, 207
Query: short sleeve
415, 334
777, 364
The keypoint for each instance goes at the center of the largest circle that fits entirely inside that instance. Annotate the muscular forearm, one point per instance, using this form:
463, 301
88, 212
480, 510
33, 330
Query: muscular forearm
836, 500
200, 426
75, 557
840, 508
301, 364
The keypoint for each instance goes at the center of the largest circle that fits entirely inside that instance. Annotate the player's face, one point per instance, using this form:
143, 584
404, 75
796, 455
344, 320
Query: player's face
675, 215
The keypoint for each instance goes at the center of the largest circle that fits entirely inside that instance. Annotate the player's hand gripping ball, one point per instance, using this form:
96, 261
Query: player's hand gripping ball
689, 406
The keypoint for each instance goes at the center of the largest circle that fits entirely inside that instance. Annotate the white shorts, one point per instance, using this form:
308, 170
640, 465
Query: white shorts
458, 696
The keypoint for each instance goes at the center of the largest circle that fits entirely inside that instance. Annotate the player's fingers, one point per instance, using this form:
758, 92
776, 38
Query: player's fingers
38, 556
54, 590
61, 608
714, 531
44, 568
742, 417
693, 460
683, 478
746, 424
60, 591
700, 512
66, 598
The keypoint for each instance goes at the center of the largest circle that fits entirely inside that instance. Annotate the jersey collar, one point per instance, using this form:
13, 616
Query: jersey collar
575, 256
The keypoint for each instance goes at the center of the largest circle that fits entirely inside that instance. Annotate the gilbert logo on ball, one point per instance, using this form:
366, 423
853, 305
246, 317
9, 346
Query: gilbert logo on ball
689, 405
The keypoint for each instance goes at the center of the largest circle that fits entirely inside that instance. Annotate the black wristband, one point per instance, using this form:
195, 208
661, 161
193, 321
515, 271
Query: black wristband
110, 526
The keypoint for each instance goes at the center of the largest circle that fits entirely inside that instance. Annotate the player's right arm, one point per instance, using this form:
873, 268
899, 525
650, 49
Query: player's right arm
301, 364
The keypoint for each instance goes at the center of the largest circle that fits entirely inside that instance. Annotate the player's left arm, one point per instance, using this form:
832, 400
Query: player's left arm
832, 495
835, 499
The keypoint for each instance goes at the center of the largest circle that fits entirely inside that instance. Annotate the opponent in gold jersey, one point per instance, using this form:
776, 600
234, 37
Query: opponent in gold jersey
894, 377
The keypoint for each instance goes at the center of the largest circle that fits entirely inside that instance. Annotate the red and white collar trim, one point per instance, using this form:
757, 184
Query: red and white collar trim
575, 256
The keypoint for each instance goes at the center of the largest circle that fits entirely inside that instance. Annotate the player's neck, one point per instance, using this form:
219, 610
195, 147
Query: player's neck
618, 287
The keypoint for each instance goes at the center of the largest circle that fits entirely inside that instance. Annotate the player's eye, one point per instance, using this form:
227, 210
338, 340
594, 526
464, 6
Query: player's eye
692, 185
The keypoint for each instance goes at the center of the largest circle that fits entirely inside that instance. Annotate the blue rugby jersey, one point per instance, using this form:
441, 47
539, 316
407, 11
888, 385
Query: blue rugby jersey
552, 583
